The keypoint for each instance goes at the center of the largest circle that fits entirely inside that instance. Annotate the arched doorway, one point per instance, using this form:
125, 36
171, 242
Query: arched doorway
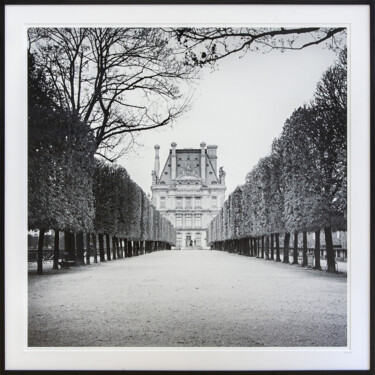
189, 241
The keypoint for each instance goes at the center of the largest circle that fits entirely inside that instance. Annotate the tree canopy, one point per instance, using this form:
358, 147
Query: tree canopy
120, 81
211, 44
123, 210
60, 162
302, 184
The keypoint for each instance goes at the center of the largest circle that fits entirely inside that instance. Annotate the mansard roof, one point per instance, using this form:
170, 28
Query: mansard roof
188, 166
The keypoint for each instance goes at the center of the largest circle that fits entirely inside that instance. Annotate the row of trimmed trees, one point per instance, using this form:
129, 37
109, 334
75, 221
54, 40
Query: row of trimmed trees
300, 187
70, 191
114, 220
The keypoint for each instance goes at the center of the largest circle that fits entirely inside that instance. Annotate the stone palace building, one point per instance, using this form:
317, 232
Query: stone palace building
189, 191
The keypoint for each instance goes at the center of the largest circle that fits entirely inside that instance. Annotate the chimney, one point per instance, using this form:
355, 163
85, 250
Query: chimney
173, 160
211, 152
157, 161
203, 161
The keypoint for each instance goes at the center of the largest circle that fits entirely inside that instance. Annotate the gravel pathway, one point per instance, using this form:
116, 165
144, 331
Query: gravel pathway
187, 298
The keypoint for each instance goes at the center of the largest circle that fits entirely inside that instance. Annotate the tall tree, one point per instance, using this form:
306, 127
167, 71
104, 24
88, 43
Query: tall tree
60, 163
209, 45
316, 152
118, 80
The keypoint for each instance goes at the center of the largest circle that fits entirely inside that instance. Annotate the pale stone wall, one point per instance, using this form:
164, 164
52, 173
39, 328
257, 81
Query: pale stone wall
189, 192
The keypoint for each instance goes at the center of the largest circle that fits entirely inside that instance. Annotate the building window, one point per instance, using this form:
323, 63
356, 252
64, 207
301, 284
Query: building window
179, 202
179, 221
198, 202
214, 202
162, 202
188, 203
188, 221
198, 221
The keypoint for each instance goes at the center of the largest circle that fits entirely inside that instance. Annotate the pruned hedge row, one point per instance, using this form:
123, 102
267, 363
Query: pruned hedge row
121, 221
122, 209
300, 187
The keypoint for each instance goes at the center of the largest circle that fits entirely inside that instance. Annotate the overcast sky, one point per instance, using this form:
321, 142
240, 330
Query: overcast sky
241, 107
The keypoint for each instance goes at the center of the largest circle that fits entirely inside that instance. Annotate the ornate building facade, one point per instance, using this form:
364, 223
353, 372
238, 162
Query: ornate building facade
189, 191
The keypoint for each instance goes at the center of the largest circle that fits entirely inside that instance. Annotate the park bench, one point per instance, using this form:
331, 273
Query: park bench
66, 263
48, 258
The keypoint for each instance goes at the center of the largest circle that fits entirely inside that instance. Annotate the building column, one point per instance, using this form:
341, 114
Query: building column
173, 158
203, 161
157, 161
211, 152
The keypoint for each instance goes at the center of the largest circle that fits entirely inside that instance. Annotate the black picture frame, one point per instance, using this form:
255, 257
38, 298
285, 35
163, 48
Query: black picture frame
3, 234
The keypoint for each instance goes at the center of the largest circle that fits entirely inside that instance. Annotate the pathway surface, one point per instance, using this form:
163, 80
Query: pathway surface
187, 298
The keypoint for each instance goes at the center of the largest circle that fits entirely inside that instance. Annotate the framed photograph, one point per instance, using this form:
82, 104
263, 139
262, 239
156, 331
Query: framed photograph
187, 187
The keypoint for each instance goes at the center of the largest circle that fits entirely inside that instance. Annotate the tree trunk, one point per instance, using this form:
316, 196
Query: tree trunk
66, 246
317, 250
108, 245
286, 247
255, 248
80, 249
262, 256
88, 248
119, 247
94, 248
40, 251
267, 248
101, 247
114, 248
295, 248
56, 250
304, 250
126, 248
331, 266
272, 249
277, 243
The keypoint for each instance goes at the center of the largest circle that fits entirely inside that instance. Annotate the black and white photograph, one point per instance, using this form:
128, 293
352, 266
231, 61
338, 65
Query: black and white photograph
188, 186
